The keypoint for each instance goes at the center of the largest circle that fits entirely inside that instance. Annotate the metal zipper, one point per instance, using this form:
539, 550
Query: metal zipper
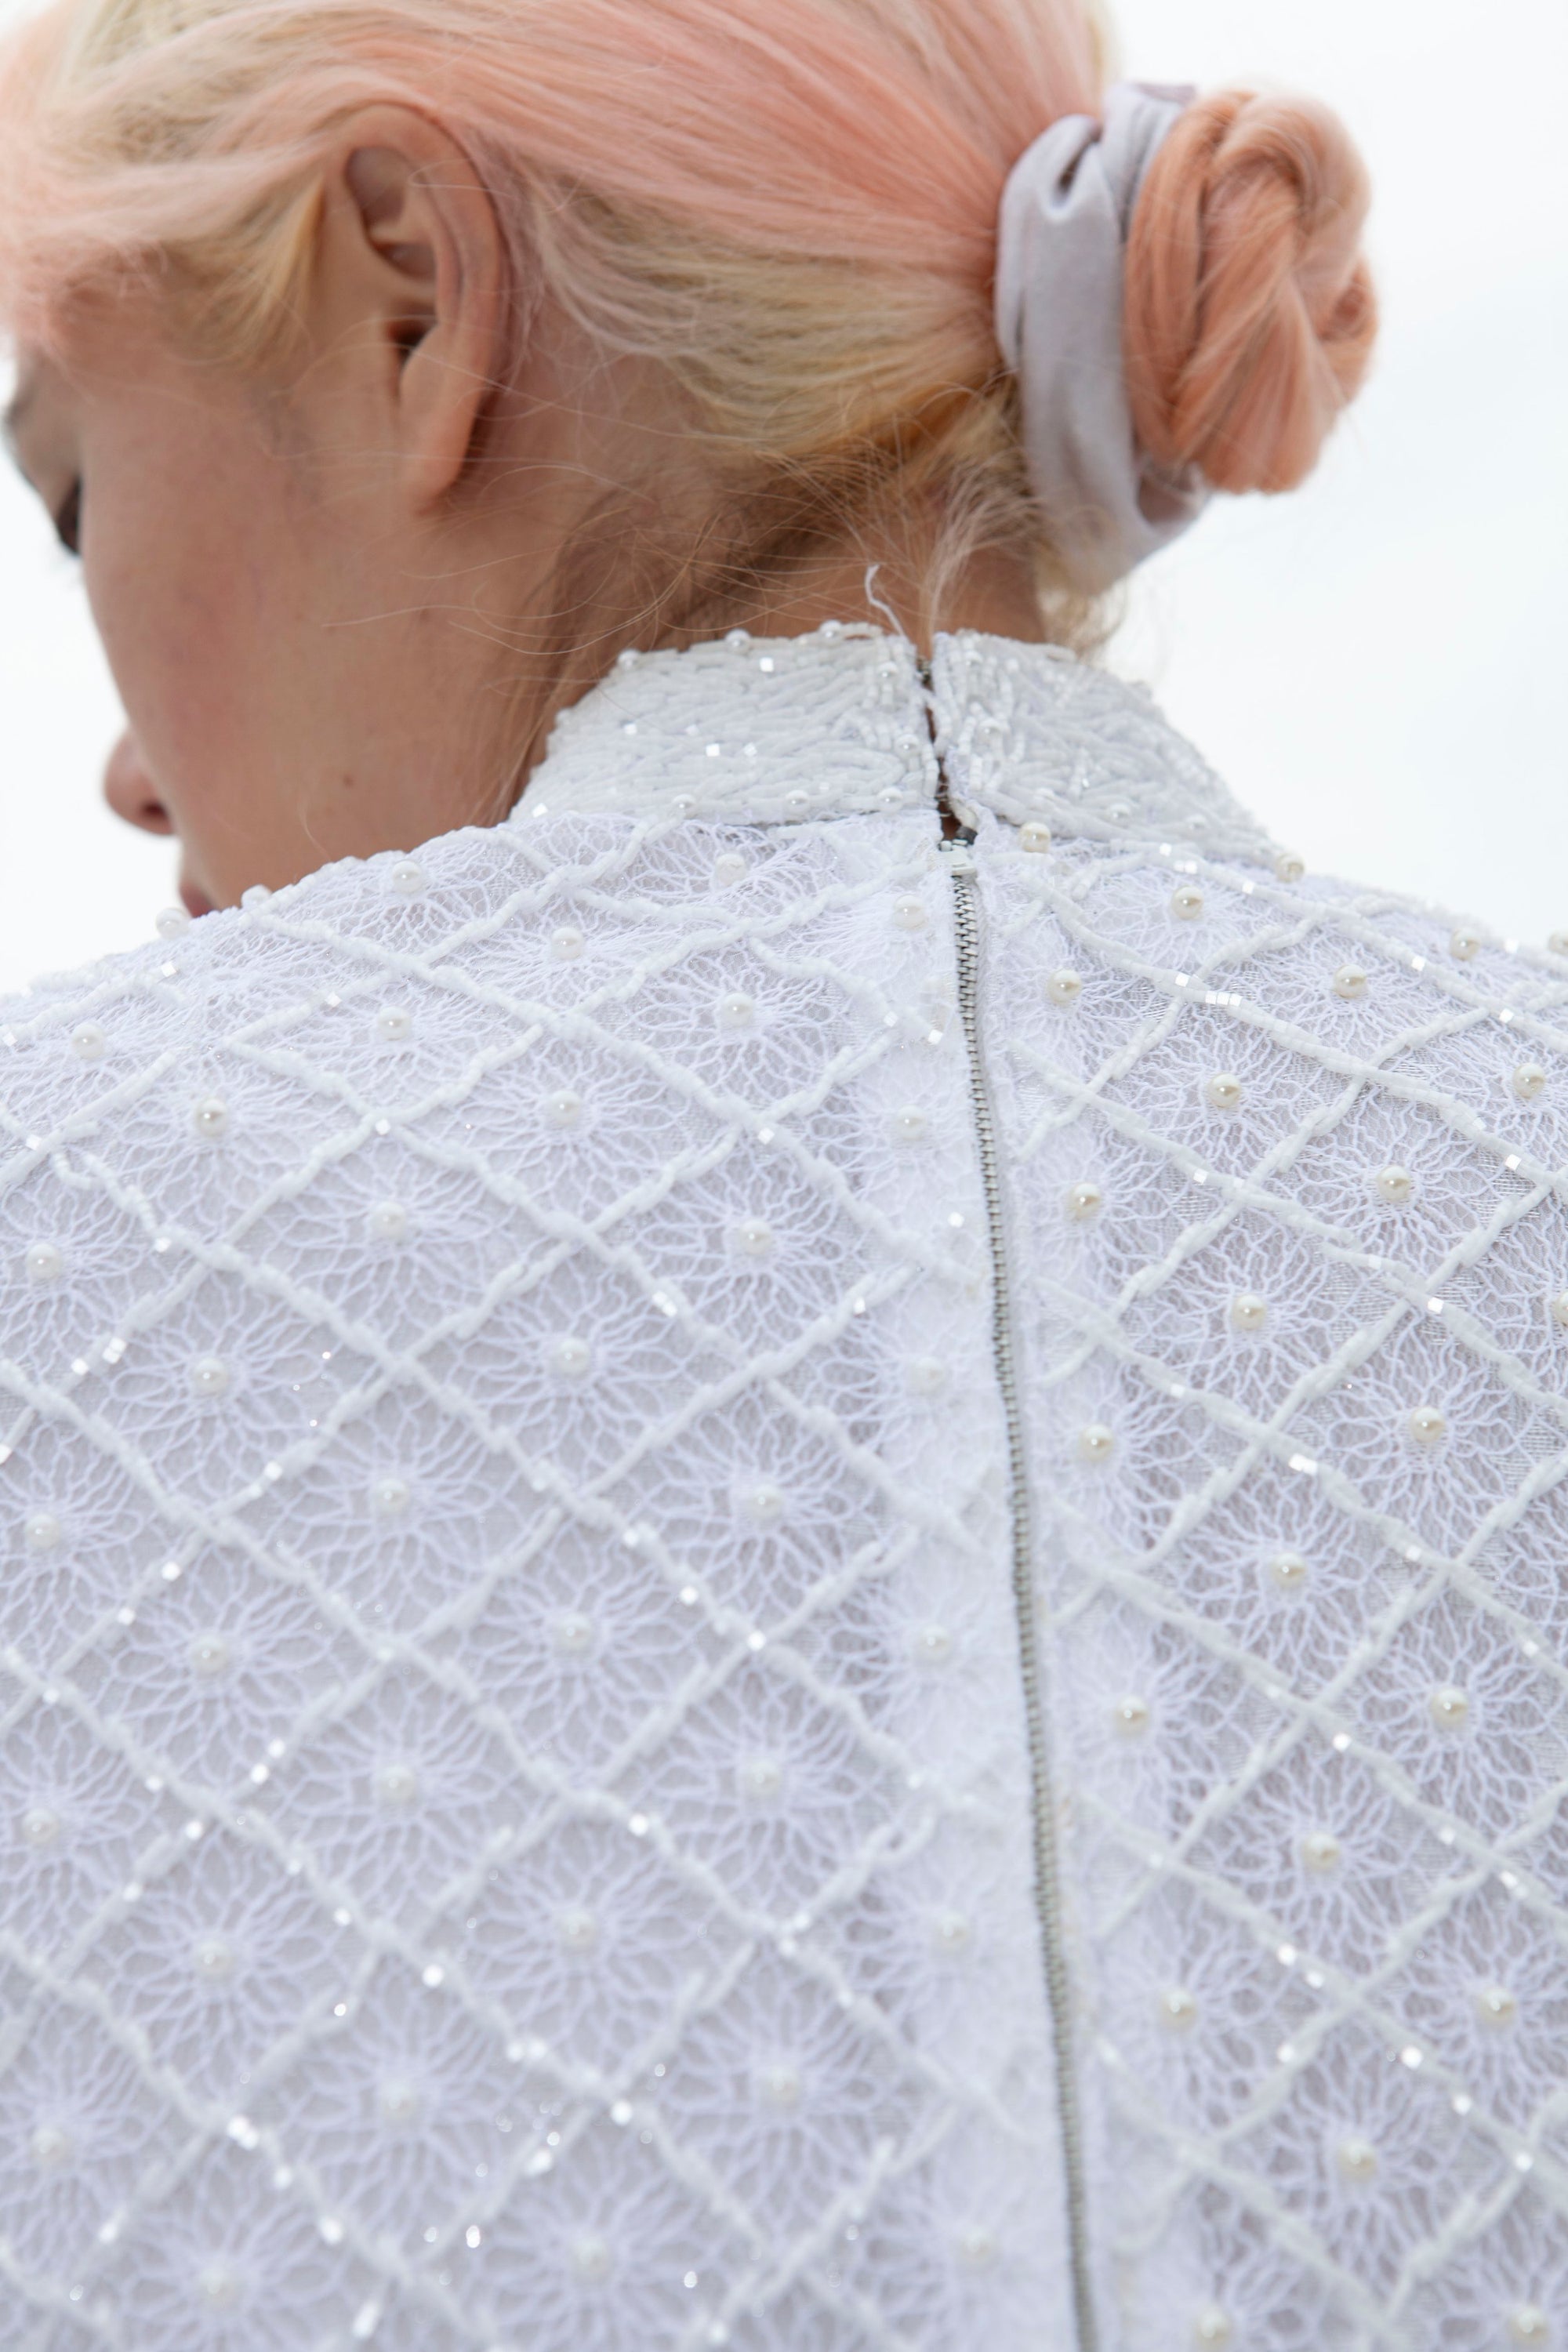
1048, 1893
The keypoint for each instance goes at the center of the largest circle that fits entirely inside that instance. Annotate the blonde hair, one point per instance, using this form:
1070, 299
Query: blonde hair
789, 204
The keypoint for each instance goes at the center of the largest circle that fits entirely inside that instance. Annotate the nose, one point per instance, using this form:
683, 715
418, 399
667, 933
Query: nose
130, 789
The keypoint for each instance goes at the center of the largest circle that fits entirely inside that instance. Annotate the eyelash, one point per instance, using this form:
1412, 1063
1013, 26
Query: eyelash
67, 521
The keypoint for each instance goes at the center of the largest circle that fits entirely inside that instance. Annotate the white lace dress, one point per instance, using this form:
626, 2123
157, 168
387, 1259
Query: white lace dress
771, 1582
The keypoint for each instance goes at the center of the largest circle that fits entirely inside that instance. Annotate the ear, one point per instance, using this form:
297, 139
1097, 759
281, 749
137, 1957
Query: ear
409, 277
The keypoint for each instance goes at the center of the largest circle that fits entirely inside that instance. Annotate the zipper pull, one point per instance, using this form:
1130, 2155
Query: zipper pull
959, 855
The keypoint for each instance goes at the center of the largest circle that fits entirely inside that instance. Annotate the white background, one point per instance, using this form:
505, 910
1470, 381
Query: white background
1374, 663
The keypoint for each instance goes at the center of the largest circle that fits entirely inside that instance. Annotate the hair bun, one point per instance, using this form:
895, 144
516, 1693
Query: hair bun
1249, 315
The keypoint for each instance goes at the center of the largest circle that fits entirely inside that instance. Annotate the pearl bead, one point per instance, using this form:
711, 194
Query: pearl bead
1186, 902
209, 1377
1096, 1442
44, 1262
1529, 1082
1357, 2159
388, 1221
909, 914
1223, 1091
40, 1827
208, 1655
1348, 982
408, 879
210, 1119
566, 944
218, 2287
1064, 987
397, 1786
576, 1928
1212, 2326
563, 1110
572, 1357
764, 1502
1449, 1706
1558, 943
51, 2148
758, 1776
933, 1645
1131, 1717
1288, 1571
909, 1126
1035, 836
729, 867
779, 2086
392, 1025
926, 1376
1288, 867
88, 1041
40, 1531
591, 2257
1527, 2324
1178, 2009
1496, 2005
399, 2102
213, 1960
1395, 1184
977, 2248
390, 1498
1084, 1201
572, 1632
1427, 1425
950, 1932
1248, 1312
753, 1238
735, 1011
1560, 1309
172, 923
1321, 1850
1466, 945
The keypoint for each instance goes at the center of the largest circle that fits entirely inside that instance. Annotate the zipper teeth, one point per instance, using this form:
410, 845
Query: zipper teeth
1047, 1896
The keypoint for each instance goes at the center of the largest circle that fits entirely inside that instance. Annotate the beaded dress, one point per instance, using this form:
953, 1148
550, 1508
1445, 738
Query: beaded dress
784, 1567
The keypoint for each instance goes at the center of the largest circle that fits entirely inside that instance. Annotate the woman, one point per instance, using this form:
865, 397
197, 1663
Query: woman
782, 1453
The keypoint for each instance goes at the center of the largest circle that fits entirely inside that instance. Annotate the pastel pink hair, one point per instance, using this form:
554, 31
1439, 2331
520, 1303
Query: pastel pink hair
791, 204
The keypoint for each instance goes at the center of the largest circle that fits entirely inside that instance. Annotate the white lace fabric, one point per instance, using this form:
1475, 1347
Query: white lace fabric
515, 1818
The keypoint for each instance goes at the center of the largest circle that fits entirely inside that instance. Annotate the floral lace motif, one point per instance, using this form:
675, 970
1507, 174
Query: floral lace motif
513, 1816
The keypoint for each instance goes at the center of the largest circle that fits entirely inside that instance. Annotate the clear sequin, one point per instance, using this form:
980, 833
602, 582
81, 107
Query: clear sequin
388, 1221
1321, 1851
209, 1377
1248, 1312
1449, 1706
1084, 1201
1427, 1426
44, 1262
1223, 1091
209, 1655
1064, 987
396, 1787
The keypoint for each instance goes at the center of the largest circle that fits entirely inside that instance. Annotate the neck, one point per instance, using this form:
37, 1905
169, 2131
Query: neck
993, 592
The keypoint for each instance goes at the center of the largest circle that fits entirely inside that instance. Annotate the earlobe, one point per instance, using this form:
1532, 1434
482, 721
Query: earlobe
430, 263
